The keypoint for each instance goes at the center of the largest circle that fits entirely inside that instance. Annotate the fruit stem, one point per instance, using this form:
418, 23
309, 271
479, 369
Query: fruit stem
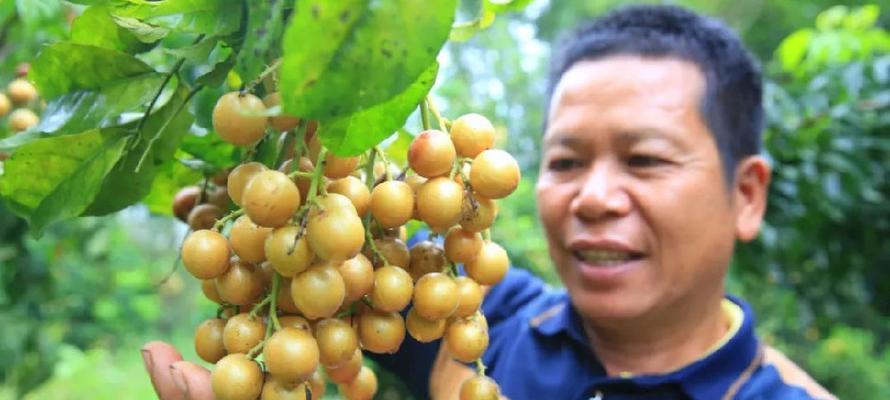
486, 234
230, 216
175, 262
255, 351
273, 304
270, 69
300, 142
385, 162
441, 121
425, 115
316, 176
300, 174
480, 367
154, 101
259, 306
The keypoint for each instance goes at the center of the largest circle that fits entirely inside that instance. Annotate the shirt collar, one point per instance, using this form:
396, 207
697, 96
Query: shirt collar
706, 378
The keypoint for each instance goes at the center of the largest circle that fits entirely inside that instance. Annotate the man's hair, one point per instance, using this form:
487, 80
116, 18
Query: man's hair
731, 105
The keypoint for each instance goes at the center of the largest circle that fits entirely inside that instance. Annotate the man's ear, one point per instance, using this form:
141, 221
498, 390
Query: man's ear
750, 193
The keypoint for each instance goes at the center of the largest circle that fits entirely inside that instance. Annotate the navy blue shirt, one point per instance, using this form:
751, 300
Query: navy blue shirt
538, 349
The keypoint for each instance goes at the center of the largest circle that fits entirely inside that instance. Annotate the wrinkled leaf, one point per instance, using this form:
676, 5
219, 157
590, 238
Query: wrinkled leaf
58, 177
209, 17
359, 132
96, 27
65, 67
344, 56
124, 185
265, 23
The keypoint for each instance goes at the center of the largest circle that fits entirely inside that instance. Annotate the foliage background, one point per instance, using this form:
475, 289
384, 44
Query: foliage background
76, 304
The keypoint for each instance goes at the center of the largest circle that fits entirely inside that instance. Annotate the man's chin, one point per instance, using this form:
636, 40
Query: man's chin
610, 308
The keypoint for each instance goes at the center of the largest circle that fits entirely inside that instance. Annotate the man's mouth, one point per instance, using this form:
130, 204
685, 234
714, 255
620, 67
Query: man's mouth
605, 258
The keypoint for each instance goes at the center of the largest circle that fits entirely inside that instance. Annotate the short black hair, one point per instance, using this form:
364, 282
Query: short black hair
732, 104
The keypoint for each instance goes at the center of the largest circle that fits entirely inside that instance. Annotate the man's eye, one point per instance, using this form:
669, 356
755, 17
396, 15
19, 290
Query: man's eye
643, 161
563, 164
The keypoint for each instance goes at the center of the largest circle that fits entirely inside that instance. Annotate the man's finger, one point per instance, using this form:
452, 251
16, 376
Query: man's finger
158, 357
192, 380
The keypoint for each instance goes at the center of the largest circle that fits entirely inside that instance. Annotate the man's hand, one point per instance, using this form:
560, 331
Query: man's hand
172, 378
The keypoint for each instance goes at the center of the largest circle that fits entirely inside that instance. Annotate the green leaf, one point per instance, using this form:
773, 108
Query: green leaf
211, 149
35, 12
58, 177
171, 177
209, 17
96, 27
793, 49
100, 108
65, 67
397, 150
461, 32
198, 52
218, 74
142, 31
344, 56
262, 43
359, 132
501, 6
126, 185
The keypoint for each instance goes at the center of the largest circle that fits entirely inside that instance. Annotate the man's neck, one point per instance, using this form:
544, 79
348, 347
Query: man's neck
661, 344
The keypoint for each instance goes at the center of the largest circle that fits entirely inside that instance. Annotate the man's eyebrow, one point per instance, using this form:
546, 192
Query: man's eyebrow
561, 139
636, 135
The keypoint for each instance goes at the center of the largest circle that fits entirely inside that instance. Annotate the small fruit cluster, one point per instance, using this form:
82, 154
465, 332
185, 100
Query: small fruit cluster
22, 94
312, 268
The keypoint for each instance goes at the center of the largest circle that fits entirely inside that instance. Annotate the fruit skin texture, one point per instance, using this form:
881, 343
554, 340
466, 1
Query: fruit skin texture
479, 218
469, 296
381, 332
358, 275
354, 190
209, 340
238, 119
363, 387
240, 177
466, 339
392, 289
461, 245
435, 296
346, 372
270, 198
490, 264
494, 174
22, 120
236, 377
205, 254
242, 332
431, 154
392, 203
319, 291
472, 134
291, 355
204, 216
241, 285
439, 203
274, 389
480, 388
424, 330
339, 167
337, 341
248, 240
286, 256
335, 234
426, 257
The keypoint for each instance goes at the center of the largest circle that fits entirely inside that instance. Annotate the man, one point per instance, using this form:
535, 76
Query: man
650, 172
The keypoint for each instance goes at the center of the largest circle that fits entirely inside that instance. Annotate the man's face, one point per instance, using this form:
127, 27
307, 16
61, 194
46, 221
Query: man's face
631, 193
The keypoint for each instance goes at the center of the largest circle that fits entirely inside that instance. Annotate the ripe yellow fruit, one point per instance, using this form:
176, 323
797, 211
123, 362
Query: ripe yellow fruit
392, 203
270, 198
472, 134
439, 202
21, 91
494, 174
479, 215
319, 291
381, 332
240, 177
240, 119
466, 339
236, 377
335, 235
490, 264
362, 387
22, 119
339, 167
461, 245
355, 190
286, 254
431, 154
205, 254
392, 289
248, 240
291, 355
480, 387
5, 105
346, 372
435, 296
422, 329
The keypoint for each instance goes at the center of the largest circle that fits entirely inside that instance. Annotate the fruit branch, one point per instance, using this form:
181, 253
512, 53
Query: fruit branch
270, 69
230, 216
385, 161
480, 367
369, 175
157, 135
273, 304
441, 121
259, 306
154, 101
425, 115
316, 176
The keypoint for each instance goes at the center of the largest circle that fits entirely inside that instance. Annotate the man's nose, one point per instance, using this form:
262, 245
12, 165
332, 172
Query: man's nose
602, 194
